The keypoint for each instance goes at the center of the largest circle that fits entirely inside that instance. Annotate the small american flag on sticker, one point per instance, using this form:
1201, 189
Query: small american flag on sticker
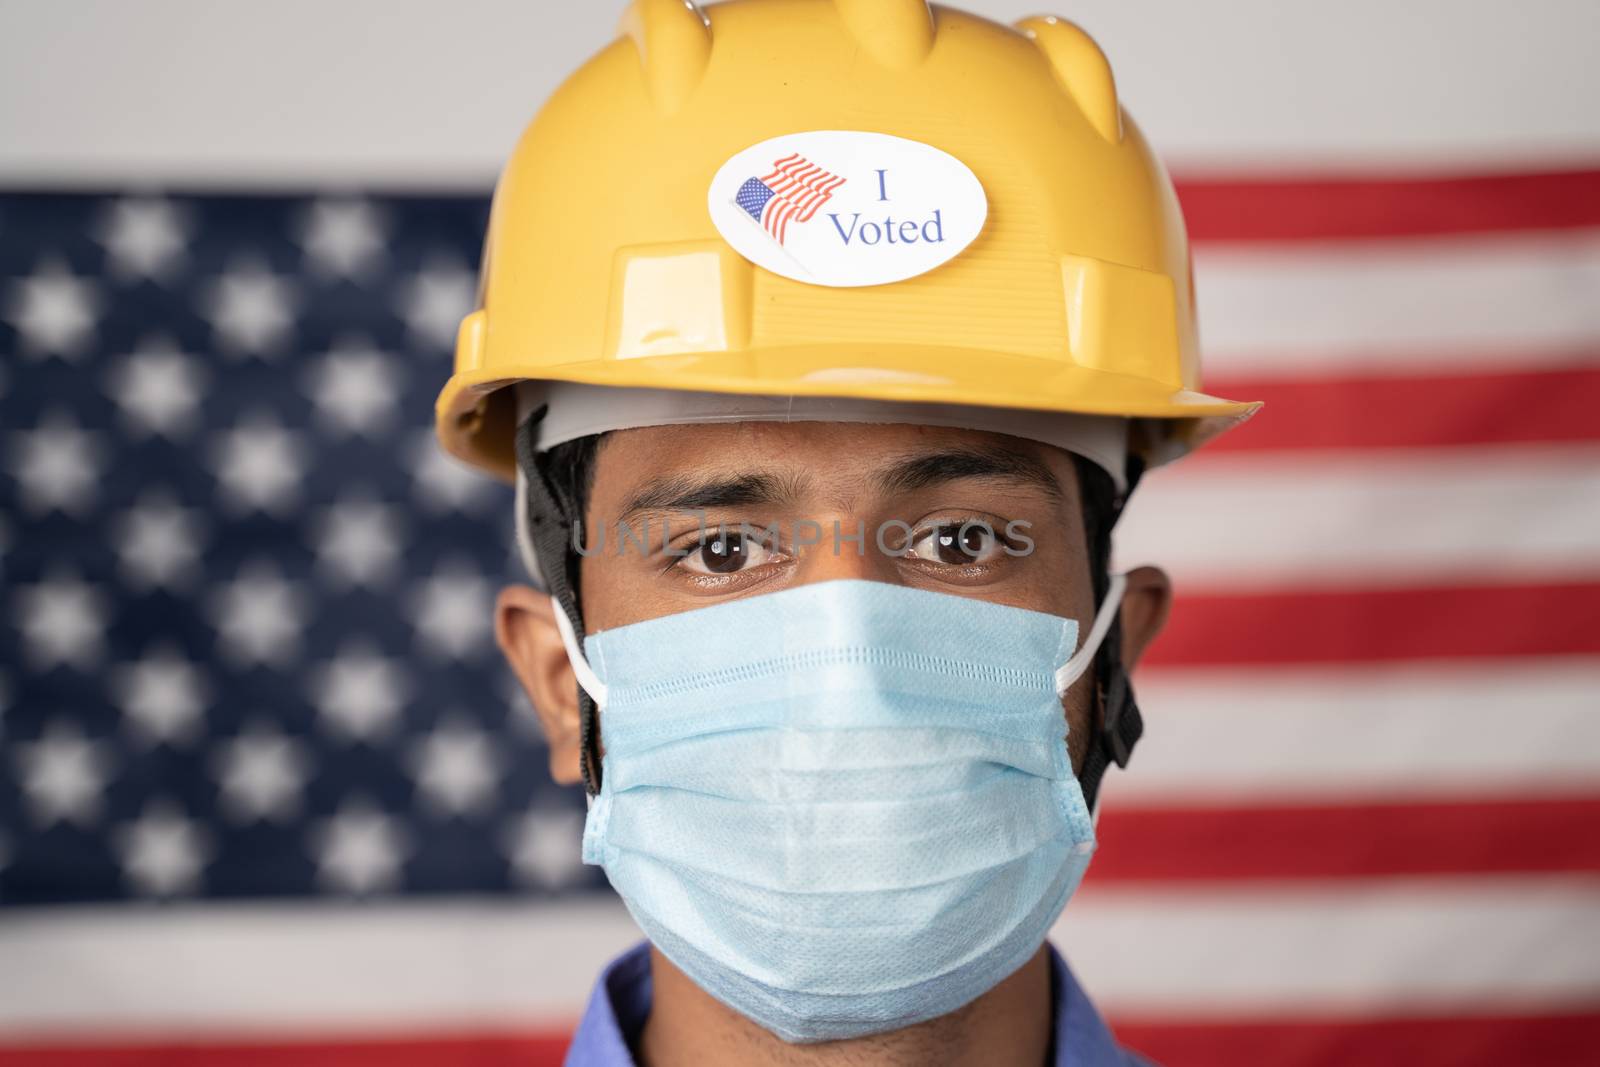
794, 192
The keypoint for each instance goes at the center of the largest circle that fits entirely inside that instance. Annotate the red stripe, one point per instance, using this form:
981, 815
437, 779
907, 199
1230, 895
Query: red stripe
1490, 1039
809, 185
780, 165
1352, 840
1297, 208
794, 178
786, 172
1513, 407
823, 194
1356, 625
777, 216
816, 195
467, 1050
809, 180
1483, 1038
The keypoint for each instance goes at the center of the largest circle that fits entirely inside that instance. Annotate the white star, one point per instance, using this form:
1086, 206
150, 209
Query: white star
359, 849
163, 853
358, 542
251, 309
57, 465
444, 483
545, 847
259, 464
455, 768
158, 389
54, 311
452, 611
158, 542
143, 238
359, 692
163, 695
259, 615
63, 775
261, 773
435, 300
354, 387
62, 620
343, 237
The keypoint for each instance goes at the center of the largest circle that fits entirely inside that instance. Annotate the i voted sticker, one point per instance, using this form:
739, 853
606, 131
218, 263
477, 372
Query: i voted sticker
846, 207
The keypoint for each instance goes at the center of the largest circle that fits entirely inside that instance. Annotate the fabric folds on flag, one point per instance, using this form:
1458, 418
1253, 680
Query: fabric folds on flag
794, 192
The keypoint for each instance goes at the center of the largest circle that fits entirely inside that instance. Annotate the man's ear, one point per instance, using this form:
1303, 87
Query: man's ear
1145, 606
525, 629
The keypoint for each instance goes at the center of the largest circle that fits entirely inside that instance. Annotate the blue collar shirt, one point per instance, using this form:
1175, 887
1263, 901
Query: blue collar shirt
621, 1002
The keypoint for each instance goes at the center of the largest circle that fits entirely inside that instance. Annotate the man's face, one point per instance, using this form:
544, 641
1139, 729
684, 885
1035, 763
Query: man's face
697, 515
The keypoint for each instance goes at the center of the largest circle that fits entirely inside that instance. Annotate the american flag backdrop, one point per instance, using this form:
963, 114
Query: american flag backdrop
268, 796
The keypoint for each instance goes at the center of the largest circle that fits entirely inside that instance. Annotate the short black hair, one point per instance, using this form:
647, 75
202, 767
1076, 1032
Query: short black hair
569, 469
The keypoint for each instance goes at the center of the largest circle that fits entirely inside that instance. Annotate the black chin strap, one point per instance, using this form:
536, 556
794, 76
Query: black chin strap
552, 516
1119, 724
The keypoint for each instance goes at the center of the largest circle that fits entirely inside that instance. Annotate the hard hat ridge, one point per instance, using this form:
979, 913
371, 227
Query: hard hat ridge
1082, 69
674, 42
674, 39
896, 33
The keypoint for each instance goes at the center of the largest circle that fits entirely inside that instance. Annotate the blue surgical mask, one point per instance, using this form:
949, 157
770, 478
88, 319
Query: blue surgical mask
845, 807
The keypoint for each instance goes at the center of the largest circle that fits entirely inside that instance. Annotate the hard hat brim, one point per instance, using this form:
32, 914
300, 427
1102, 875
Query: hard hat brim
476, 412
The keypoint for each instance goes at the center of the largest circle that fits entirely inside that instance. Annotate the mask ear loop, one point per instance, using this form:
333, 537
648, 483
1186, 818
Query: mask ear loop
1081, 660
590, 681
1073, 669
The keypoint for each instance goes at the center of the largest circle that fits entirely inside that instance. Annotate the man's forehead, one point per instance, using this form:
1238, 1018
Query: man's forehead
801, 457
557, 412
806, 431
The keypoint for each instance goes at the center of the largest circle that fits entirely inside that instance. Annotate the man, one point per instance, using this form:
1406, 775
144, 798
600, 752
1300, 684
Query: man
824, 342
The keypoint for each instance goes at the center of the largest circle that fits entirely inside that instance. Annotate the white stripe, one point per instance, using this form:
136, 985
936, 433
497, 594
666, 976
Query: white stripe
1399, 306
1484, 730
1412, 81
1378, 948
1247, 520
314, 970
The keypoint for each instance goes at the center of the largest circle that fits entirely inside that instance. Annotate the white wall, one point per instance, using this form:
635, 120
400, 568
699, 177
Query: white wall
432, 93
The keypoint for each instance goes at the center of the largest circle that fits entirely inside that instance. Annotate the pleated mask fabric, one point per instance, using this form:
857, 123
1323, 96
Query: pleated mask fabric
842, 808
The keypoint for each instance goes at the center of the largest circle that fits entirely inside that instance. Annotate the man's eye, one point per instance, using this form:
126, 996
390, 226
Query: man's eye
957, 544
726, 552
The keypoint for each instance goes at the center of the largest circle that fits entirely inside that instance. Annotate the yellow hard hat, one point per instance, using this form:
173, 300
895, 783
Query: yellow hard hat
611, 257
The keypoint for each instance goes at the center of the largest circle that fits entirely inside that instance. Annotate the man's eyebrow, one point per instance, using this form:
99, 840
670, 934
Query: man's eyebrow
679, 492
996, 463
